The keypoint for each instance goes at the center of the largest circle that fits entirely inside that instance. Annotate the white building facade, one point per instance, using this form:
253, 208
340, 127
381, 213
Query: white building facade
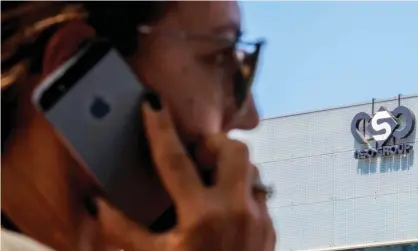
345, 178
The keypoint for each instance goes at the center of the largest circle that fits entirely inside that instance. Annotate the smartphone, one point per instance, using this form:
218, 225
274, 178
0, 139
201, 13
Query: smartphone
93, 102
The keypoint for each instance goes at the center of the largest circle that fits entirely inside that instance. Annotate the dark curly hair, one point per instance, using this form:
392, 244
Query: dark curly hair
27, 27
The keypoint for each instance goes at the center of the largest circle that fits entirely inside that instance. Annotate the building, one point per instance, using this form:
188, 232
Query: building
333, 192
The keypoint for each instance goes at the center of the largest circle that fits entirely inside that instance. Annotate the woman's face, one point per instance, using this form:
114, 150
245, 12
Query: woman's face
186, 74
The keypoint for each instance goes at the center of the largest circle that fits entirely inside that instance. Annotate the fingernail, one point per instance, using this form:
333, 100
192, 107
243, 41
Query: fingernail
91, 206
153, 100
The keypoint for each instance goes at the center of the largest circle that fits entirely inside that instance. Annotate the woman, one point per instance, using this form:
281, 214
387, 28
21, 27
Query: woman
185, 53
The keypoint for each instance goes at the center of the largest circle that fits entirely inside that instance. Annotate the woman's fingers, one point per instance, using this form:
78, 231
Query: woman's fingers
261, 193
234, 171
123, 234
260, 190
176, 170
271, 237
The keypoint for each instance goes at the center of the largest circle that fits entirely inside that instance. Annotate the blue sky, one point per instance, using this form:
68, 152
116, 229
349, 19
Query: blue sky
323, 54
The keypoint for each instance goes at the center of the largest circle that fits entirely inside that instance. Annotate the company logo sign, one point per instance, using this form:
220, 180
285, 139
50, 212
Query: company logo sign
382, 127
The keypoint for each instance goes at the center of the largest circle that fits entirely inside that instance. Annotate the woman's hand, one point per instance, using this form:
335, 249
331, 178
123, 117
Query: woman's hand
227, 216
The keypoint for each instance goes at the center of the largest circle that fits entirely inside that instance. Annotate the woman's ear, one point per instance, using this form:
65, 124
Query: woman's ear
65, 43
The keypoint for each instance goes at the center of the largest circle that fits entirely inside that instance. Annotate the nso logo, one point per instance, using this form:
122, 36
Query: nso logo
382, 127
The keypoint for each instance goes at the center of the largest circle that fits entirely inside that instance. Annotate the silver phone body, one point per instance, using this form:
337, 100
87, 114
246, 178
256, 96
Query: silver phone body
97, 115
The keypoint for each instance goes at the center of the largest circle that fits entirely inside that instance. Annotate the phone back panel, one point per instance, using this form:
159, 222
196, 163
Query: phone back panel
99, 117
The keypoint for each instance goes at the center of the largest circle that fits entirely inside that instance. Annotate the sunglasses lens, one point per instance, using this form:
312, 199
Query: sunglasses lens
247, 56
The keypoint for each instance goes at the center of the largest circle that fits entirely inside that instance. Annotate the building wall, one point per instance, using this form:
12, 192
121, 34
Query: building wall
324, 197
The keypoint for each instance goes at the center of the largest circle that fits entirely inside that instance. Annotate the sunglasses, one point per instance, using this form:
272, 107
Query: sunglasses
245, 54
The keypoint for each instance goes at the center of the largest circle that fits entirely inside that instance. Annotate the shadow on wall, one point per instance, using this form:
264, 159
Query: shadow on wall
366, 166
386, 164
397, 163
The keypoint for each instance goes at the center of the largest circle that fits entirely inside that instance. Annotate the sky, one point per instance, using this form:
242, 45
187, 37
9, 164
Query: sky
326, 54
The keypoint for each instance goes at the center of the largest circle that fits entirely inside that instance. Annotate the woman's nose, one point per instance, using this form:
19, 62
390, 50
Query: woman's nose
247, 117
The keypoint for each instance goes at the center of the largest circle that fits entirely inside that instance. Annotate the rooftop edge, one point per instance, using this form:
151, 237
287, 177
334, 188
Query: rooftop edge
338, 107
